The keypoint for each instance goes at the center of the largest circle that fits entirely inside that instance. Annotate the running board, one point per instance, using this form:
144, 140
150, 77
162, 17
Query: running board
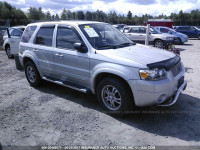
68, 84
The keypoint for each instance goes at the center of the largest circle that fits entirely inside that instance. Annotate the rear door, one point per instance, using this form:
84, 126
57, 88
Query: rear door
142, 34
185, 30
134, 34
14, 41
43, 50
70, 65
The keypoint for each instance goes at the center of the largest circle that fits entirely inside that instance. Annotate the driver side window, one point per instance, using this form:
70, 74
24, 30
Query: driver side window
66, 38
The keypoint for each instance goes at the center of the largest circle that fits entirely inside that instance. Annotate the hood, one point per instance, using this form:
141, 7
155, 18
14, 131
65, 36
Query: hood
168, 35
179, 34
135, 55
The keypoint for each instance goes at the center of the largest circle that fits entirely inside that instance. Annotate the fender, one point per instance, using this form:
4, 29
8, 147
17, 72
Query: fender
123, 72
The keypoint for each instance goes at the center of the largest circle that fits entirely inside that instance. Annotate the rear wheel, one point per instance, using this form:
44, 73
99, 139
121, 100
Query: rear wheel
159, 44
8, 52
114, 96
32, 74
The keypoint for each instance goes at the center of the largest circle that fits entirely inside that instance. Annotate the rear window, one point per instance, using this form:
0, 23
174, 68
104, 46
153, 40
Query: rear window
45, 36
16, 33
28, 33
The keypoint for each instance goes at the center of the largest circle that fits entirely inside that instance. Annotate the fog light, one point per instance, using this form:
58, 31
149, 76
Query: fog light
162, 98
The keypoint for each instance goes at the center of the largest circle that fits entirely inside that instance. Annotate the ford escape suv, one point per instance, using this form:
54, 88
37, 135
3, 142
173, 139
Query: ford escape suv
95, 57
138, 34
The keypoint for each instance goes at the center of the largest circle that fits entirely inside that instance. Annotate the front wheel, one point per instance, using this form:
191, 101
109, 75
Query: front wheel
179, 41
114, 96
8, 52
199, 37
32, 74
159, 44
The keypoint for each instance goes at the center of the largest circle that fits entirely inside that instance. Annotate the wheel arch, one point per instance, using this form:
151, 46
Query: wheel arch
104, 75
6, 45
156, 39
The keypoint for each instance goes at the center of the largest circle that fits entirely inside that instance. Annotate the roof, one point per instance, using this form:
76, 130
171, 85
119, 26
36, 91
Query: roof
66, 22
160, 20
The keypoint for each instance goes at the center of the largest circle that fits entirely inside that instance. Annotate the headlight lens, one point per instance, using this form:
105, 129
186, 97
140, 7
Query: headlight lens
153, 74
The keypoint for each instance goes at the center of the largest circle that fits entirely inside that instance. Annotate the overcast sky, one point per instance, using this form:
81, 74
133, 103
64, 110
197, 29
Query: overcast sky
137, 7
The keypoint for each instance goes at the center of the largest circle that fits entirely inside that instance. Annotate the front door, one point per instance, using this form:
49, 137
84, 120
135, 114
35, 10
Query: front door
70, 64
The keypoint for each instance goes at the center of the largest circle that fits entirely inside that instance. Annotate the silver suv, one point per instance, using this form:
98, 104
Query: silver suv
156, 38
95, 57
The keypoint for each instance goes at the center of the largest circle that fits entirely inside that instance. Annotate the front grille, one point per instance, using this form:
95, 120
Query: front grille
176, 69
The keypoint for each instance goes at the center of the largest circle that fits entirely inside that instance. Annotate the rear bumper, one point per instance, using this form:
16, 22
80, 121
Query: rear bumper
17, 62
148, 93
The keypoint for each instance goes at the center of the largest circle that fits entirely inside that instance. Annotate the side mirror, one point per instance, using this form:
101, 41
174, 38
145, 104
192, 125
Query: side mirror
80, 47
169, 32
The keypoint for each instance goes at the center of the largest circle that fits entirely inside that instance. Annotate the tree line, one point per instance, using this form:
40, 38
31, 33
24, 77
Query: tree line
18, 17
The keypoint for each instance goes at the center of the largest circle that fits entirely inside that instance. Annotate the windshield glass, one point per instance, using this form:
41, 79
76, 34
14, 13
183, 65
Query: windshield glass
104, 36
173, 31
154, 30
196, 28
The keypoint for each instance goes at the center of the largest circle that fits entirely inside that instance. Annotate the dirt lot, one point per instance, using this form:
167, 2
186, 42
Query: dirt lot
54, 115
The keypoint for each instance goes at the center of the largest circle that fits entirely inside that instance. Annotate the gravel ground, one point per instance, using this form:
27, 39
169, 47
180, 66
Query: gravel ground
55, 115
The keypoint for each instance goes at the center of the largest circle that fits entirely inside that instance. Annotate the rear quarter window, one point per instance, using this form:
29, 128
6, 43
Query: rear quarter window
28, 33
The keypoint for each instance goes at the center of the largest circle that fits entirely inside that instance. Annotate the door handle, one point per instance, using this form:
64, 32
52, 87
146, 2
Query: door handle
60, 55
35, 50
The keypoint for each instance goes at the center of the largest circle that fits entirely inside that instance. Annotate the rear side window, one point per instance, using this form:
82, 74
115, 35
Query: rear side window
134, 30
28, 33
142, 30
164, 30
66, 38
45, 36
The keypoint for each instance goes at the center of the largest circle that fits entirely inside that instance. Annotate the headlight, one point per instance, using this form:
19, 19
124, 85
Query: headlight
153, 74
185, 36
170, 38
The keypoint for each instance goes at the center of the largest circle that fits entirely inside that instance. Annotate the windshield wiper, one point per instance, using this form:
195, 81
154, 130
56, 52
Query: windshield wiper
107, 47
126, 44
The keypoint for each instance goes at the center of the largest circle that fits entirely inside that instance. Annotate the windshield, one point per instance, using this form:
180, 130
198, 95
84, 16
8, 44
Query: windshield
120, 27
196, 28
154, 30
104, 36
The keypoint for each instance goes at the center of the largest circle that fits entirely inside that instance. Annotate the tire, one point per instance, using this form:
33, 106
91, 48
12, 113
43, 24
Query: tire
114, 96
199, 36
159, 44
32, 74
180, 41
8, 52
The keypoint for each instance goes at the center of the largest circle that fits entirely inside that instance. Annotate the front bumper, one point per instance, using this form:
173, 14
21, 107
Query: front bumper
172, 100
148, 93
